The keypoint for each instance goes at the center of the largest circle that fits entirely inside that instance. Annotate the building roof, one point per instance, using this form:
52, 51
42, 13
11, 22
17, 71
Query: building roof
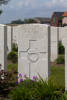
65, 14
59, 14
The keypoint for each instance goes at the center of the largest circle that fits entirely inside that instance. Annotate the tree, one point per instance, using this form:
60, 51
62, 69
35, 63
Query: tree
3, 2
27, 21
19, 21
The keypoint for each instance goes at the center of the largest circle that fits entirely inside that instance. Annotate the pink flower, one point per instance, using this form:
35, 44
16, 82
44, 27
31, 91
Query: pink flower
20, 80
20, 75
25, 76
35, 78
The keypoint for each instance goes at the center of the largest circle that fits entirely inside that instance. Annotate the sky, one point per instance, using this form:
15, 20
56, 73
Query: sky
21, 9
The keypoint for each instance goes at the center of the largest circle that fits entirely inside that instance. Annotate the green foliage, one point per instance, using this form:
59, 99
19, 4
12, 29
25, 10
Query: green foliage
12, 67
13, 56
29, 21
64, 97
61, 48
19, 21
3, 2
14, 47
1, 11
60, 59
7, 82
25, 91
58, 75
35, 90
61, 17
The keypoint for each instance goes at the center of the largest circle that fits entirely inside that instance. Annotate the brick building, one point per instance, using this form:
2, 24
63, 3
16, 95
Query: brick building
56, 19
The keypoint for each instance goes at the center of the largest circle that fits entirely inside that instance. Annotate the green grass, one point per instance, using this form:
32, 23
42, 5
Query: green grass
12, 67
57, 73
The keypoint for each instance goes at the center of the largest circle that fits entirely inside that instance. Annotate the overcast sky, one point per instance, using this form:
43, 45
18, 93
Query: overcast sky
20, 9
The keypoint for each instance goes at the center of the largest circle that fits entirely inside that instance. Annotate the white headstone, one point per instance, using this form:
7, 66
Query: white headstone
54, 43
64, 41
33, 47
15, 34
3, 47
9, 38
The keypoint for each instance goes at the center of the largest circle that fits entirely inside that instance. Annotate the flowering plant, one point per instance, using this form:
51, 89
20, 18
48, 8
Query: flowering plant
21, 78
7, 81
35, 89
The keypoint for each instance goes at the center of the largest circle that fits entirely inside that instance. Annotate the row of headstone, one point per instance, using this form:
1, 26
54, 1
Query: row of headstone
36, 43
34, 49
6, 41
13, 37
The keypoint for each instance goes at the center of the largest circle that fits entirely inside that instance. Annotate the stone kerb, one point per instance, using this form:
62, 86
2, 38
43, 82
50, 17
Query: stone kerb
54, 43
3, 47
33, 47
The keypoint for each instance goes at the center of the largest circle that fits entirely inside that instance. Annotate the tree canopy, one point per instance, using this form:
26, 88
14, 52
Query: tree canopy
19, 21
27, 21
3, 2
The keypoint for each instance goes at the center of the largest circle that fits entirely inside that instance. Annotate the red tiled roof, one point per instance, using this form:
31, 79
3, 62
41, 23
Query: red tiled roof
65, 14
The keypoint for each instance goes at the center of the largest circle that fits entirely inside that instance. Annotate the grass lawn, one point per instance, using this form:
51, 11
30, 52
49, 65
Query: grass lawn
57, 73
12, 67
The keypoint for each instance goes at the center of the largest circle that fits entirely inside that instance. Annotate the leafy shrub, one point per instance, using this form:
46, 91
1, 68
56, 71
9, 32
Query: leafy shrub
60, 59
14, 47
35, 90
64, 97
61, 48
13, 56
7, 81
